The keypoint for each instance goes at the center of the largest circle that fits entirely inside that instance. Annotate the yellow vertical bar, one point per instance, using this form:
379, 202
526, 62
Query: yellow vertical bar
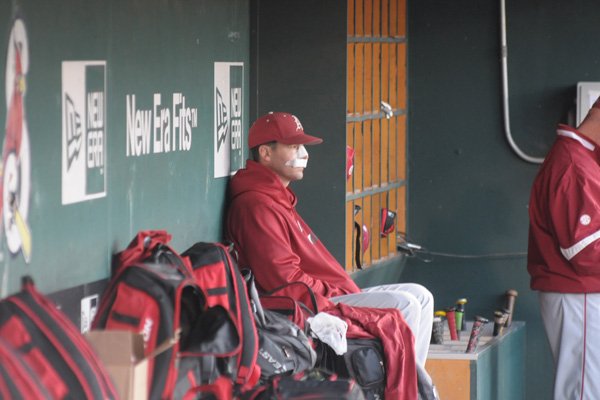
401, 201
393, 98
368, 86
375, 152
350, 12
358, 157
350, 142
367, 218
376, 76
391, 237
393, 18
376, 17
401, 76
350, 80
385, 71
401, 17
367, 162
358, 13
349, 235
359, 78
393, 150
385, 17
360, 219
368, 17
385, 133
401, 150
374, 228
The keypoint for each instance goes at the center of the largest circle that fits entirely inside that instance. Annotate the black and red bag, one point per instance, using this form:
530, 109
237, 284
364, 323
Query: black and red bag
17, 379
153, 292
51, 347
313, 384
216, 272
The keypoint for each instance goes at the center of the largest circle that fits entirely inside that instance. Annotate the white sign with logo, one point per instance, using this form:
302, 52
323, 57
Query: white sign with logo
228, 143
83, 130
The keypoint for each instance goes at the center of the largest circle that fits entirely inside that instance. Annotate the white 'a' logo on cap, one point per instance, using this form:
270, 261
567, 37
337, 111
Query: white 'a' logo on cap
298, 124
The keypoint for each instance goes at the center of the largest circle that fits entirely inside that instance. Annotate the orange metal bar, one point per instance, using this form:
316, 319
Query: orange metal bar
393, 75
385, 72
367, 256
358, 157
376, 76
359, 18
391, 237
359, 70
393, 18
368, 17
384, 159
350, 142
401, 149
401, 201
374, 227
349, 236
367, 154
351, 17
401, 17
376, 17
350, 106
368, 86
385, 17
393, 150
375, 152
401, 76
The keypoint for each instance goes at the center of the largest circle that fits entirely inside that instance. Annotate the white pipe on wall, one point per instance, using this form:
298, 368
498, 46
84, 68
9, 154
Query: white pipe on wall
505, 105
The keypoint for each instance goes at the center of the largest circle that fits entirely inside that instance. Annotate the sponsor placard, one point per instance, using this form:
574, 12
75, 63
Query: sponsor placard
83, 130
228, 121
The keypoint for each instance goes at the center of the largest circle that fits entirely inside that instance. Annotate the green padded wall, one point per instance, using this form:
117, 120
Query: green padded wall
112, 129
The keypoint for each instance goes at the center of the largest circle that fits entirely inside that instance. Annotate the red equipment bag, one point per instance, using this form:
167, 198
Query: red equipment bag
17, 379
53, 348
154, 292
216, 272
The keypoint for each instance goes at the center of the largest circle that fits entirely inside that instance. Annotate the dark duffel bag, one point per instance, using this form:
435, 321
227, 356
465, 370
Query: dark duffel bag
313, 384
363, 362
284, 348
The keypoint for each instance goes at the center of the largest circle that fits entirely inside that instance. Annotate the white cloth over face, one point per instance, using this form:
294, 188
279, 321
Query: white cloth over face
301, 159
331, 330
572, 322
414, 301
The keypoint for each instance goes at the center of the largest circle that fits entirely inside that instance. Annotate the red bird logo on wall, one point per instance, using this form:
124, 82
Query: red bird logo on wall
15, 169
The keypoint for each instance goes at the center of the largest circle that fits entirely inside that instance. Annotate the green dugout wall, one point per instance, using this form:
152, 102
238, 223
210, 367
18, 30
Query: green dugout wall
117, 116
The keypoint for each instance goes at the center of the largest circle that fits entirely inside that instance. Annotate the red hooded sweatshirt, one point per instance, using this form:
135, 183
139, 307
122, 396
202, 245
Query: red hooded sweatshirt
275, 242
279, 247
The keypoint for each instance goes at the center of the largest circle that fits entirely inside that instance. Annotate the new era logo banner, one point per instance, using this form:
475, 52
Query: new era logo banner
228, 150
83, 130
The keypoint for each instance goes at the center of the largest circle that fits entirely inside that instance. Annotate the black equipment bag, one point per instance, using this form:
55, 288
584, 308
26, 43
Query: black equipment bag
51, 345
313, 384
284, 348
154, 291
215, 270
363, 361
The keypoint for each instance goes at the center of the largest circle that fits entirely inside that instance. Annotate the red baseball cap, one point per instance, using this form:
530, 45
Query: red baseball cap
279, 127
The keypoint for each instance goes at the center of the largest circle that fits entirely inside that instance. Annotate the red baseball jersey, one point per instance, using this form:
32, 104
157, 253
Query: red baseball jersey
564, 215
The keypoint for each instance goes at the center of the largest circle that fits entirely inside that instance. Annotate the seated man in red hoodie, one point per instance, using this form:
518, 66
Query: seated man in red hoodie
279, 247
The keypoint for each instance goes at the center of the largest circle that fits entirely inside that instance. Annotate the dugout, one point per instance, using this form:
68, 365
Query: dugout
124, 106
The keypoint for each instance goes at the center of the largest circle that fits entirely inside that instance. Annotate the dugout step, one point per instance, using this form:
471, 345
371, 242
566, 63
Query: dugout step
494, 371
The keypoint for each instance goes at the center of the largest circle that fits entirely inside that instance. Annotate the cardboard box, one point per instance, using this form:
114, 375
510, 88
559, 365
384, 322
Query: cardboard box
122, 352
